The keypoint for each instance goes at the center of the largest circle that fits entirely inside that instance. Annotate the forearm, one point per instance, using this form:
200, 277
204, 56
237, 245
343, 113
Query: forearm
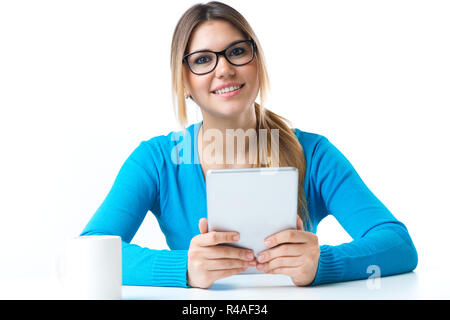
149, 267
387, 246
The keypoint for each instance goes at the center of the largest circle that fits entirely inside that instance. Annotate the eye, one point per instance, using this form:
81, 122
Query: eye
237, 51
202, 60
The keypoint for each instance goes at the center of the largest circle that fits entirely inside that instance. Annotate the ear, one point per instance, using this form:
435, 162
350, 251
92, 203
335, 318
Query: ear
187, 94
300, 224
185, 76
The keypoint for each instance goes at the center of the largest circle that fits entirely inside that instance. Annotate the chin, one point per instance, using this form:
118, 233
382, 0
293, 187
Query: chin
227, 109
230, 111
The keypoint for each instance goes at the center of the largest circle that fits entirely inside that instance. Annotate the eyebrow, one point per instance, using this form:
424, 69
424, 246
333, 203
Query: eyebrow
231, 44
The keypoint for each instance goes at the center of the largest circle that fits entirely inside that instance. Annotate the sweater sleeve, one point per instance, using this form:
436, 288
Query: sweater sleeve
136, 191
380, 241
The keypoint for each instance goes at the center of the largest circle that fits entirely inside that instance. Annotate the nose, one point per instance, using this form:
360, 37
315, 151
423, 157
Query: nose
224, 69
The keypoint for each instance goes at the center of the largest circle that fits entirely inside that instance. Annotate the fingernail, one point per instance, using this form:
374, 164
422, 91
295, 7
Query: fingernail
268, 243
249, 255
252, 263
236, 237
261, 258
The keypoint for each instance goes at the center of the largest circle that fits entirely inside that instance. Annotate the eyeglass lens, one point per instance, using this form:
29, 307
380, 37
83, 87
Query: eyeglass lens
204, 61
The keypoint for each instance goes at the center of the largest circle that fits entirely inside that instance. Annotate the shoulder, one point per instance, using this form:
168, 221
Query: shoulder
321, 154
311, 142
162, 148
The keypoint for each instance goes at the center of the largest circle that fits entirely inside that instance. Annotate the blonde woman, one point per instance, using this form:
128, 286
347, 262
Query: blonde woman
217, 61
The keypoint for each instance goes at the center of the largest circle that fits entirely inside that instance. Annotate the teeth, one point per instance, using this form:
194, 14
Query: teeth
225, 90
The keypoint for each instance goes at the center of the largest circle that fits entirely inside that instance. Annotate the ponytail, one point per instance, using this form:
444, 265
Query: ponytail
290, 153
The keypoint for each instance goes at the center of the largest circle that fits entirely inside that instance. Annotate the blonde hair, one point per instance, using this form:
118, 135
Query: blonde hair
290, 151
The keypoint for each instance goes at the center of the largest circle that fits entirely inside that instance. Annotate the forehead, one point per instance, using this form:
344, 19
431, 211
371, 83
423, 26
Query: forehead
214, 35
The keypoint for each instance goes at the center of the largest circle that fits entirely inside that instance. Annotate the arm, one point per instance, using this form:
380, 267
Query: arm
136, 191
379, 238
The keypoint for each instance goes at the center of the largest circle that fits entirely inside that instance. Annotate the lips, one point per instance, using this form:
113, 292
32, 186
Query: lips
228, 86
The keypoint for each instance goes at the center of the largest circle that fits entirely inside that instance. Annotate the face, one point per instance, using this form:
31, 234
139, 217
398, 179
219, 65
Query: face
217, 35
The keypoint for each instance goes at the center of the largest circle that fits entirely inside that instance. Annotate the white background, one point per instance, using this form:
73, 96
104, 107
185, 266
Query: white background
82, 83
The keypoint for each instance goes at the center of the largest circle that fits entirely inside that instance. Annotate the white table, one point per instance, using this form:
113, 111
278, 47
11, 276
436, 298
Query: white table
432, 283
278, 287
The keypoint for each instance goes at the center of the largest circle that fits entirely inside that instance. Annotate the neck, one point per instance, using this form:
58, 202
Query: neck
227, 141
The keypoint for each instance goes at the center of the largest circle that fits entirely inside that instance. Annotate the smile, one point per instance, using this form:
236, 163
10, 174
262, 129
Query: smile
229, 92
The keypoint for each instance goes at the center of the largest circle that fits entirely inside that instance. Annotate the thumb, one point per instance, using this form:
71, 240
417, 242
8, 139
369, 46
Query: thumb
203, 225
300, 224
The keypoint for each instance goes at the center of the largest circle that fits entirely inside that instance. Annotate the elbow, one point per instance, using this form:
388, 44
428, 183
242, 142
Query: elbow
412, 258
91, 232
96, 232
407, 256
402, 256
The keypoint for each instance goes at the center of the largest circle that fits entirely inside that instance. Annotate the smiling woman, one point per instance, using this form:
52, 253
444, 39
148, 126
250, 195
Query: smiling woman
203, 63
217, 61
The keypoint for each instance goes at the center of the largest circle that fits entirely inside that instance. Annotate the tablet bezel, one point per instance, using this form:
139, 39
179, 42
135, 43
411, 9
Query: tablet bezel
286, 219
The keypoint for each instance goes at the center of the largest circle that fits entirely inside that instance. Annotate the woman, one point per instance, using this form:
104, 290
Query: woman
217, 62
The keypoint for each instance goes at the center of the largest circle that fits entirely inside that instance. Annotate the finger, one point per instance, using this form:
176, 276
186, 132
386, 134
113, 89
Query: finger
280, 262
287, 236
219, 274
225, 264
229, 252
300, 224
284, 250
203, 225
216, 237
289, 271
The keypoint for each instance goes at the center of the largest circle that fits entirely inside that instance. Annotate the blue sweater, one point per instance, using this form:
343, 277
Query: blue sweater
163, 175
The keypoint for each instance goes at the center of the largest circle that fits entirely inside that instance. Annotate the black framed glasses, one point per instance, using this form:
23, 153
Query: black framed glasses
238, 53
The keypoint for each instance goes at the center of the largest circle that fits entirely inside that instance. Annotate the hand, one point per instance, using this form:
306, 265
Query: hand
292, 252
209, 261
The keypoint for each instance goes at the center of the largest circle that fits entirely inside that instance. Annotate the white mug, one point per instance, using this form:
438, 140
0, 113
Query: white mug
92, 268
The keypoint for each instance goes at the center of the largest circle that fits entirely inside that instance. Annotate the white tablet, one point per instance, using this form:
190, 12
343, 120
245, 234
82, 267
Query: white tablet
256, 202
